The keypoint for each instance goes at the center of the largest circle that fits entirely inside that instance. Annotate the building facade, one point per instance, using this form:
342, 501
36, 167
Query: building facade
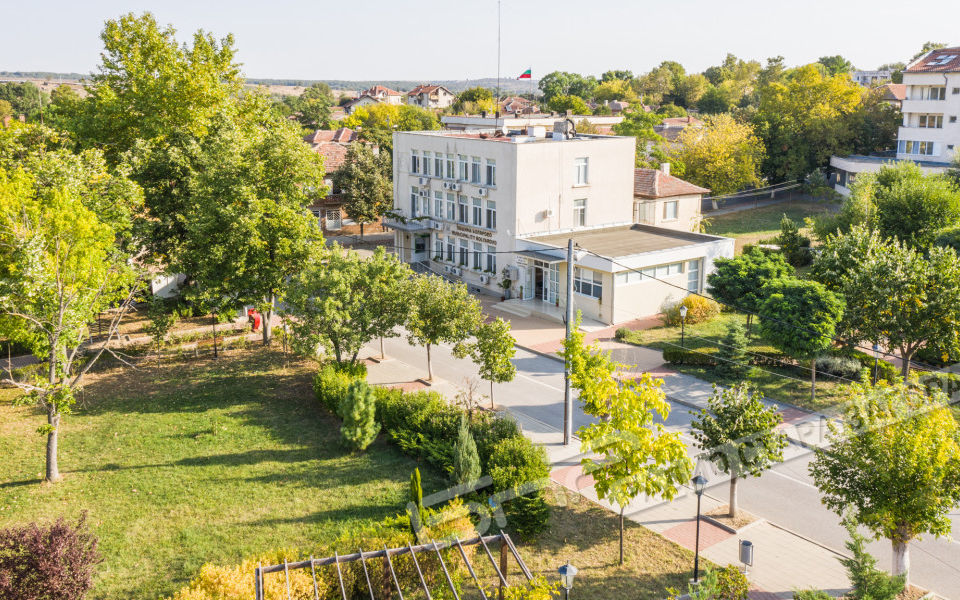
871, 78
430, 96
495, 211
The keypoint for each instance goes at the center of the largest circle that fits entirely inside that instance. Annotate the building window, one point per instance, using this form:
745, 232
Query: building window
420, 244
414, 162
450, 249
492, 259
438, 205
588, 282
451, 167
671, 210
953, 119
438, 164
491, 172
580, 213
491, 214
956, 91
693, 276
438, 246
475, 170
462, 206
414, 201
451, 206
582, 166
477, 256
912, 147
334, 220
426, 164
938, 93
463, 253
462, 161
931, 121
477, 212
662, 271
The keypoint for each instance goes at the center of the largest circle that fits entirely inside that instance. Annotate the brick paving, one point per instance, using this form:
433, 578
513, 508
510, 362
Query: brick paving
685, 534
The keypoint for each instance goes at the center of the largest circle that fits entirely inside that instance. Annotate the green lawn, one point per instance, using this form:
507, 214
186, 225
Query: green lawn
753, 225
203, 462
784, 384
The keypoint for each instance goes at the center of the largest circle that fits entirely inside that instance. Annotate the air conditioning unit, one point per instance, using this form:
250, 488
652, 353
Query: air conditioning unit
424, 193
482, 192
514, 273
484, 279
548, 213
424, 181
447, 185
447, 268
455, 270
455, 187
448, 226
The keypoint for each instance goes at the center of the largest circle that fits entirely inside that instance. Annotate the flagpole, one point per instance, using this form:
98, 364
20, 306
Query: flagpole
497, 107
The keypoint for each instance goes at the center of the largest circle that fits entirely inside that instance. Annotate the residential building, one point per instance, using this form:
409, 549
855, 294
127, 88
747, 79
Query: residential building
518, 123
871, 78
430, 96
384, 94
484, 207
893, 94
930, 133
515, 105
359, 102
662, 200
671, 128
333, 146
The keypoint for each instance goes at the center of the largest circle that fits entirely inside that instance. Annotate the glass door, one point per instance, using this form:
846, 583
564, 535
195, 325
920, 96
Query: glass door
552, 289
529, 283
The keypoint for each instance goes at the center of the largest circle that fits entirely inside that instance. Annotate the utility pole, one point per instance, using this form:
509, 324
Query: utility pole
567, 396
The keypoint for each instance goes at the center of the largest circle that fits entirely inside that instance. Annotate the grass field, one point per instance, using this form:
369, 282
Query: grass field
753, 225
785, 384
213, 461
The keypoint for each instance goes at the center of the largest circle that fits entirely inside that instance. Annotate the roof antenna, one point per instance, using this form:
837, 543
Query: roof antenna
498, 62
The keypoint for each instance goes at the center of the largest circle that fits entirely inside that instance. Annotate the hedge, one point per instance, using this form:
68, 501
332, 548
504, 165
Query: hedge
424, 425
706, 357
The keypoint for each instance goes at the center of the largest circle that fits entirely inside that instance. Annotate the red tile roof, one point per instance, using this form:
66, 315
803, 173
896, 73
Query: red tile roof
332, 145
682, 121
893, 92
379, 89
654, 183
426, 89
945, 60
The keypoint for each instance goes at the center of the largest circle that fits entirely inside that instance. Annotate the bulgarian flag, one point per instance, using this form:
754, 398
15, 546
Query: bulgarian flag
526, 75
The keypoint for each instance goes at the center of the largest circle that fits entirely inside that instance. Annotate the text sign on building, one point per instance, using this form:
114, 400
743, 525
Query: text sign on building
479, 235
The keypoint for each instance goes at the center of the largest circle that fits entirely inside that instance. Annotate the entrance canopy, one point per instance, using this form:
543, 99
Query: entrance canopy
542, 256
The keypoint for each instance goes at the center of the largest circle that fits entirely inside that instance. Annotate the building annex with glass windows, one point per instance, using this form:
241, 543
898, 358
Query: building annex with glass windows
494, 208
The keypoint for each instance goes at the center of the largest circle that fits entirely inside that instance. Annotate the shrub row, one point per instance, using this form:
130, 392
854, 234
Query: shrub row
424, 425
703, 357
699, 310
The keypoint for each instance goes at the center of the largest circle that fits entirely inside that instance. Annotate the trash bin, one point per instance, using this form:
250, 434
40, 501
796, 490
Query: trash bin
746, 552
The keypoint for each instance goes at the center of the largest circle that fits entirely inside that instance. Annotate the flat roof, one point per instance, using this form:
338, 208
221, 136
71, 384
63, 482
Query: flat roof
625, 240
493, 135
859, 158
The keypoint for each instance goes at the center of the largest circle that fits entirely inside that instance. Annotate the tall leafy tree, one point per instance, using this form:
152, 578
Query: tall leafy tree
927, 47
639, 124
441, 313
724, 156
366, 184
569, 103
639, 455
800, 318
836, 64
616, 75
359, 410
894, 461
344, 301
738, 433
739, 281
895, 295
466, 460
491, 351
58, 265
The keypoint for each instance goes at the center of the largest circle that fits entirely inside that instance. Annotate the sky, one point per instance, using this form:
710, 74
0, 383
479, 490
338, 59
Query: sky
422, 40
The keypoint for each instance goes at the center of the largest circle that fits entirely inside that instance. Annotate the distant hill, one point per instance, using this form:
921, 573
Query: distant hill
507, 85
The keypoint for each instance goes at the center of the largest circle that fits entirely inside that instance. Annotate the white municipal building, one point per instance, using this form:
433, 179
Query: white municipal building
486, 206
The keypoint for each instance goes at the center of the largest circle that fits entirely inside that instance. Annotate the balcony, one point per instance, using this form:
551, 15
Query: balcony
405, 224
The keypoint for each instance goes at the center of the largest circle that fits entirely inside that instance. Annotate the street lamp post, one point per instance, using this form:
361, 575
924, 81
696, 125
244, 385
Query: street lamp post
876, 362
215, 334
683, 324
567, 572
699, 484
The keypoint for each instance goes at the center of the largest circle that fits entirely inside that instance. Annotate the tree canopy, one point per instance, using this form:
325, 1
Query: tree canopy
366, 184
739, 281
724, 156
442, 313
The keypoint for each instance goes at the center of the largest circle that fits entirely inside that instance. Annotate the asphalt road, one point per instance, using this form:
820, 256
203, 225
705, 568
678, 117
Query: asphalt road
784, 495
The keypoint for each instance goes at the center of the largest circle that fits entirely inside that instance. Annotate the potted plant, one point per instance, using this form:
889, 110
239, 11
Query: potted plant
505, 284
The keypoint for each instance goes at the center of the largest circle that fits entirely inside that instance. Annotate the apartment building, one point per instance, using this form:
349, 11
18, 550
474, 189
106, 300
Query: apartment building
930, 133
496, 210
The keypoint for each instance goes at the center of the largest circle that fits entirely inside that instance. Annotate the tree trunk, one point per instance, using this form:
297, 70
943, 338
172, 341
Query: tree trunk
734, 502
901, 559
383, 354
749, 323
713, 203
429, 365
491, 394
361, 231
813, 380
905, 369
268, 320
621, 535
53, 469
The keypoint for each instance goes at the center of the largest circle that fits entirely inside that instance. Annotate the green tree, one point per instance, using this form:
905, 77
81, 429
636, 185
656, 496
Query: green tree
160, 323
441, 313
416, 489
869, 582
795, 247
715, 100
800, 318
639, 455
739, 435
894, 462
804, 121
359, 410
569, 104
772, 73
691, 90
491, 351
616, 75
366, 184
341, 301
475, 99
314, 106
732, 358
739, 281
927, 47
724, 156
836, 64
25, 98
639, 124
6, 109
466, 461
895, 295
59, 264
554, 84
875, 125
614, 90
912, 206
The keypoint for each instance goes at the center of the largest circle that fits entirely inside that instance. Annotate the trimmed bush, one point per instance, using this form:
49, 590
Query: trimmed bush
699, 310
839, 366
332, 380
885, 371
359, 410
731, 584
811, 595
42, 562
621, 334
704, 357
